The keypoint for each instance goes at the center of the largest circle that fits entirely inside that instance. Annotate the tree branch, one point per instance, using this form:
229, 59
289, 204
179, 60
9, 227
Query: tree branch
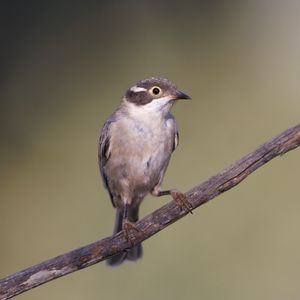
91, 254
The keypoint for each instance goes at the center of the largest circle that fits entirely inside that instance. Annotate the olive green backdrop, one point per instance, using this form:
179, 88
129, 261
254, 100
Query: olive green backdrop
65, 67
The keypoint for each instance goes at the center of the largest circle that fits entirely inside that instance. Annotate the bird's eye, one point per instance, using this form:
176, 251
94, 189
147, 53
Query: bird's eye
155, 91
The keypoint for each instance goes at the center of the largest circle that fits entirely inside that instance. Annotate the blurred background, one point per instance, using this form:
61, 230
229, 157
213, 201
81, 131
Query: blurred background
64, 67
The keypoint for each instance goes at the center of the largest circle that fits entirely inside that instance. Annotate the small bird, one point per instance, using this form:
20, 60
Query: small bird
135, 148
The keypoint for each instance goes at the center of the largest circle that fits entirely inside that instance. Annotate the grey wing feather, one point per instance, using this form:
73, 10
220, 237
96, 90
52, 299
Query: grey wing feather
103, 153
176, 140
171, 119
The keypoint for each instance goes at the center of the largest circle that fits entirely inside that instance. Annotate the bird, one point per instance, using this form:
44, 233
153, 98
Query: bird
135, 147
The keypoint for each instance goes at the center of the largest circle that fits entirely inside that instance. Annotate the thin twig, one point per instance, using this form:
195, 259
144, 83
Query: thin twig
91, 254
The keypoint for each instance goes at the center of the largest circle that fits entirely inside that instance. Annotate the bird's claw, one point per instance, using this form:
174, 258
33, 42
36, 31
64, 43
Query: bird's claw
182, 201
128, 227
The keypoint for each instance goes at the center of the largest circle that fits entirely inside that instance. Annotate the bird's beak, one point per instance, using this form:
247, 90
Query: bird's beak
180, 95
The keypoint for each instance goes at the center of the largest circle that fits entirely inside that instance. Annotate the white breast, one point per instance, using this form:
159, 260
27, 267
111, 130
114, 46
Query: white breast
144, 142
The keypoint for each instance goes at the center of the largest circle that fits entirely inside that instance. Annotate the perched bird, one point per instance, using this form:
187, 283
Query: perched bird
135, 148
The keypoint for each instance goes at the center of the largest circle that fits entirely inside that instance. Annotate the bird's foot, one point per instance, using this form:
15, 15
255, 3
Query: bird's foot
128, 228
182, 201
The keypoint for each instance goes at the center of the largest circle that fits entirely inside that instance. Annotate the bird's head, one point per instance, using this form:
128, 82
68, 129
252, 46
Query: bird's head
154, 94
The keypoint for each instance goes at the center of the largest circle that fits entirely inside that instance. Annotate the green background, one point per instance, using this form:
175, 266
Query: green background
65, 67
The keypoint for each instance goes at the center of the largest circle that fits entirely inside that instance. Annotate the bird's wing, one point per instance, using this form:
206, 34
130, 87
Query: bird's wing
104, 152
176, 140
173, 127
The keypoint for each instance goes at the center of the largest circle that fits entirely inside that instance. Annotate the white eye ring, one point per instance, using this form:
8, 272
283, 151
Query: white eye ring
155, 91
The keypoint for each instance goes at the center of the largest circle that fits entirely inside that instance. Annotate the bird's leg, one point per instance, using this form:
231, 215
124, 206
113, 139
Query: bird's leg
128, 226
180, 199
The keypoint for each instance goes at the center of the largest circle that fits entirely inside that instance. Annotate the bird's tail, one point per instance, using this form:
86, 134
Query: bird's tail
135, 252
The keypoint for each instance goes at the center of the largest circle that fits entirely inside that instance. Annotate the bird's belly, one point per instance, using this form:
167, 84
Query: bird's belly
142, 167
136, 163
148, 165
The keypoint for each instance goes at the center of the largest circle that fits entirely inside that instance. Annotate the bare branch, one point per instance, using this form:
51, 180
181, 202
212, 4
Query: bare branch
91, 254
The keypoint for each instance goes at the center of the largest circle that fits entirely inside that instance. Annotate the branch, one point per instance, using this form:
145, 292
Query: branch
91, 254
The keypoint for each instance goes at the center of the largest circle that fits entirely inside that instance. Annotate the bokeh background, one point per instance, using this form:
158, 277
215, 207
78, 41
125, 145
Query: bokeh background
64, 68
